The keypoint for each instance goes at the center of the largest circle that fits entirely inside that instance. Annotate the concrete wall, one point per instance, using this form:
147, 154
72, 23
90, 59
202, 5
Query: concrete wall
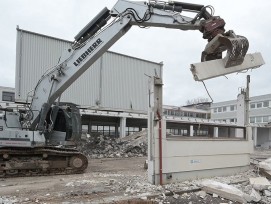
185, 159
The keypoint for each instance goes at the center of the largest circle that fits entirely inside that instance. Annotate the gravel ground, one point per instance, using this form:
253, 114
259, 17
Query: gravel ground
111, 180
117, 180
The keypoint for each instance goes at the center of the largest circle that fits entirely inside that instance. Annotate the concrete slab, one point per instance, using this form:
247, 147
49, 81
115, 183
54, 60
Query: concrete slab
214, 68
255, 196
266, 164
259, 183
265, 173
224, 191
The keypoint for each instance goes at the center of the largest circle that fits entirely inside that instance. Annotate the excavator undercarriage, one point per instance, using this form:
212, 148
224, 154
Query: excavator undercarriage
40, 161
57, 156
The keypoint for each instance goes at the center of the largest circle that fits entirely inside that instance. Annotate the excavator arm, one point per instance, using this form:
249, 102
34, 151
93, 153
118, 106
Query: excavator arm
110, 25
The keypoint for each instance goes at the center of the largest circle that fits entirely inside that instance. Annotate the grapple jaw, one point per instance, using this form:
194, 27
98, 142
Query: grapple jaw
235, 45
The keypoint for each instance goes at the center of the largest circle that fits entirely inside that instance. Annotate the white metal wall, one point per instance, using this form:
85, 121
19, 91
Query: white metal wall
115, 81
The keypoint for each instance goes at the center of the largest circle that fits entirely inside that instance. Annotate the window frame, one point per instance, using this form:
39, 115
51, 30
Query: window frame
10, 95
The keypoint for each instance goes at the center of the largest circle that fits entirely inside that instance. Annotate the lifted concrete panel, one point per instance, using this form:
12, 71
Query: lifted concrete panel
214, 68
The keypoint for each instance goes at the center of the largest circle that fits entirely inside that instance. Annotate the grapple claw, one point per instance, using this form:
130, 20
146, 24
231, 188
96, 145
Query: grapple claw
236, 46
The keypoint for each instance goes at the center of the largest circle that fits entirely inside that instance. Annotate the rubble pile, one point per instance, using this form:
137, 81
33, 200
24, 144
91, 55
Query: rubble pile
98, 146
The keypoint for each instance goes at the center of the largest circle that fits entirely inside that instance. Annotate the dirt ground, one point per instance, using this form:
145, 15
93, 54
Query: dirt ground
116, 180
104, 178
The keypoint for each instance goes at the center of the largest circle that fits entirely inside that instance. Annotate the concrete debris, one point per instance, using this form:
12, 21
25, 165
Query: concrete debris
201, 194
265, 168
259, 183
267, 193
99, 146
8, 200
224, 190
176, 196
255, 196
215, 195
266, 164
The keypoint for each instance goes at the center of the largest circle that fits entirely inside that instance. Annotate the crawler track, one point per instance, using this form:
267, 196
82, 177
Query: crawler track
41, 161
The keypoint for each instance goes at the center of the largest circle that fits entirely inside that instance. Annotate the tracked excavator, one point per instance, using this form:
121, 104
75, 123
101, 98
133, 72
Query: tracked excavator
34, 139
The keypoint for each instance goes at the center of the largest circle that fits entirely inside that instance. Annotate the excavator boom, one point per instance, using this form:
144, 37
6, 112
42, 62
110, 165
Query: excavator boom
30, 147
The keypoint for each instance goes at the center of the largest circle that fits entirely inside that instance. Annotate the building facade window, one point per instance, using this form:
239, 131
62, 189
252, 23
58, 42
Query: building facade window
265, 119
259, 105
224, 108
258, 119
266, 104
8, 96
252, 119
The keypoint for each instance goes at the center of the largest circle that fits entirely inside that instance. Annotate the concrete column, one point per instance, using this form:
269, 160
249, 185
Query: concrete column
155, 114
116, 130
255, 136
215, 131
122, 127
89, 127
191, 132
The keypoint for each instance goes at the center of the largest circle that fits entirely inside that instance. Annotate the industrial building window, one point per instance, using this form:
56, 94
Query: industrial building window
131, 130
252, 119
85, 128
265, 119
104, 130
266, 104
259, 105
201, 115
252, 105
232, 107
178, 131
8, 96
258, 119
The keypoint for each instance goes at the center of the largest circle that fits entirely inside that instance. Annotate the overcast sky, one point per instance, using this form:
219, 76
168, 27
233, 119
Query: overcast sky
177, 49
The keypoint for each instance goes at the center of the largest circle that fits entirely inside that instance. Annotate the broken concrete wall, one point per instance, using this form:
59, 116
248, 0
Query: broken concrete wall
185, 159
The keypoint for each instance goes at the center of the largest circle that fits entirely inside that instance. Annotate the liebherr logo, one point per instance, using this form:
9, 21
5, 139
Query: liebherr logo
90, 50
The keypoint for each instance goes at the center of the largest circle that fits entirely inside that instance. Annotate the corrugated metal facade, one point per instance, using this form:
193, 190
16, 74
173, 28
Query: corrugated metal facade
115, 81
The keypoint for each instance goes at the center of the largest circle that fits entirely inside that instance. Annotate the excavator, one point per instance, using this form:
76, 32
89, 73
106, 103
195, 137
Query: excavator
34, 140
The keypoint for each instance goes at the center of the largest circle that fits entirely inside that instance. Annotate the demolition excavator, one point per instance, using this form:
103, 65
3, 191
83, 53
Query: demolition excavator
34, 140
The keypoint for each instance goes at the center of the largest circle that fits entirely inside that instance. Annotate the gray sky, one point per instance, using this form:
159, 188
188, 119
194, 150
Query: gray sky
177, 49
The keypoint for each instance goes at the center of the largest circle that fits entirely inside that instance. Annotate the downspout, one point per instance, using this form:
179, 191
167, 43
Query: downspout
247, 102
160, 150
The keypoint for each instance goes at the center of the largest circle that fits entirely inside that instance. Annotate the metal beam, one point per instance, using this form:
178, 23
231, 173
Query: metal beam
214, 68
